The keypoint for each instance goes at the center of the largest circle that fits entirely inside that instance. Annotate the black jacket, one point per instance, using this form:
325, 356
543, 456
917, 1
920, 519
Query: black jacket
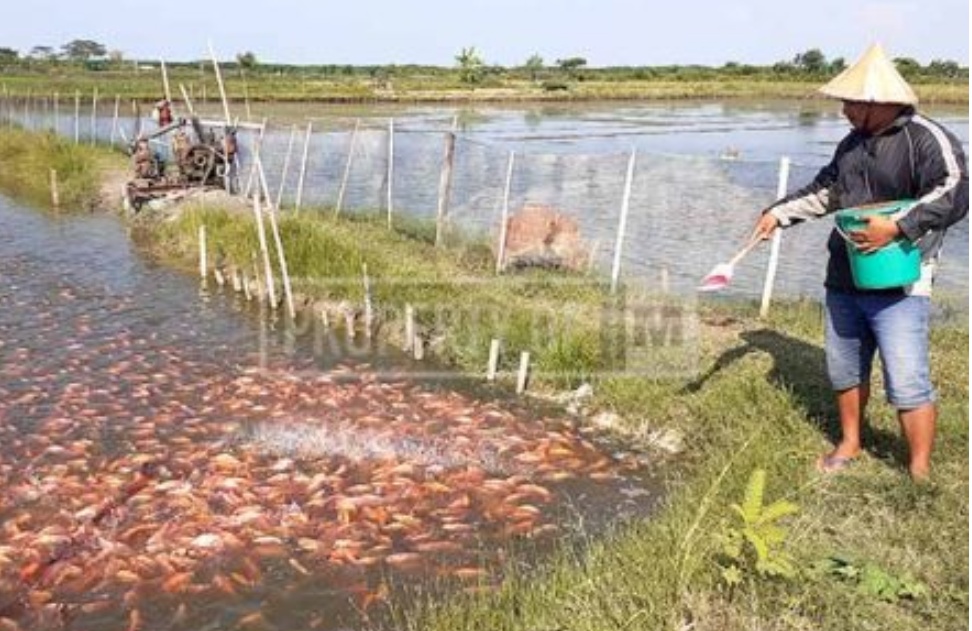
915, 158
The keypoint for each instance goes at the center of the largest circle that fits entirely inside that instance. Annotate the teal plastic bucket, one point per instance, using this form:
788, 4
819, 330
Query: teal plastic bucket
895, 265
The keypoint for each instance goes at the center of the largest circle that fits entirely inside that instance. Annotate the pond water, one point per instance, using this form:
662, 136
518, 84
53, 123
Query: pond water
701, 174
174, 458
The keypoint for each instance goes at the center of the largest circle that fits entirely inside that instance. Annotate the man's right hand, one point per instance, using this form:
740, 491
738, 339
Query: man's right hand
765, 227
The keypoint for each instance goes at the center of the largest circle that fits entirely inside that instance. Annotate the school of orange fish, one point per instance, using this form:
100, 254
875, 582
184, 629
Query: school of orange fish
141, 489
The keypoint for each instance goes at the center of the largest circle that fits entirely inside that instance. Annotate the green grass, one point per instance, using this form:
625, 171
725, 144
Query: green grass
26, 161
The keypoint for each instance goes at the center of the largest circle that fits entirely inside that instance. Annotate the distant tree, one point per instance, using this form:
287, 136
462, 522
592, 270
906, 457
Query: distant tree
247, 60
534, 65
83, 50
942, 68
8, 55
812, 61
43, 53
837, 65
470, 66
572, 65
907, 66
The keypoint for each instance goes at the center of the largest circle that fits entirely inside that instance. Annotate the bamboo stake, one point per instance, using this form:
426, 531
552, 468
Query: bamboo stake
202, 252
94, 116
391, 163
521, 377
622, 222
286, 165
409, 327
257, 146
494, 348
55, 195
77, 116
262, 236
445, 185
282, 261
774, 258
368, 312
165, 82
188, 101
222, 88
347, 170
114, 119
501, 247
303, 167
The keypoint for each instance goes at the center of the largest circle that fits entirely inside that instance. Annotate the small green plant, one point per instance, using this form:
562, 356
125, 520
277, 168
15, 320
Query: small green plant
754, 544
872, 580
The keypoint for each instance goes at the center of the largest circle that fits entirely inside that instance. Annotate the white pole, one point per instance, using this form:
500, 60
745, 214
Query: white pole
94, 116
202, 252
77, 116
494, 347
409, 327
303, 167
521, 377
114, 119
347, 170
501, 247
775, 246
286, 164
622, 223
391, 163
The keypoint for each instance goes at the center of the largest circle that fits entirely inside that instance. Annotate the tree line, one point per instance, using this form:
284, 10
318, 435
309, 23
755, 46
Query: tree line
811, 64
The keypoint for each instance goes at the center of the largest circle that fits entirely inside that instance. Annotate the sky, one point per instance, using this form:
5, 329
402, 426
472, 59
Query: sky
505, 32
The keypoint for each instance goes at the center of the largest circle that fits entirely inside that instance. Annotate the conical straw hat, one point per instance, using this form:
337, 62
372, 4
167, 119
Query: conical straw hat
873, 78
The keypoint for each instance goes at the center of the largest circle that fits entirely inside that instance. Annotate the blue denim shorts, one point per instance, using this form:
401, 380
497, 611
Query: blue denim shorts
897, 326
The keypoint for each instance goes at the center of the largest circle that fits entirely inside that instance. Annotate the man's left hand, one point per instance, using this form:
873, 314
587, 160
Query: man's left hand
880, 231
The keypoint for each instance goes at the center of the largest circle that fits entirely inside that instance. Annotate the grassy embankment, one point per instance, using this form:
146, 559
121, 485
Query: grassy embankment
759, 400
430, 85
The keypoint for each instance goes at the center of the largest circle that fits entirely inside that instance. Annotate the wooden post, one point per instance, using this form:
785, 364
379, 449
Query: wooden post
94, 116
262, 236
774, 258
418, 347
202, 252
622, 223
347, 171
521, 377
286, 165
114, 119
501, 247
77, 116
445, 186
494, 347
303, 167
390, 173
55, 195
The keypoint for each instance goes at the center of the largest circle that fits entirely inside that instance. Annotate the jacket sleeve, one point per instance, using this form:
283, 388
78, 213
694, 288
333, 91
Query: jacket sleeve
811, 201
943, 182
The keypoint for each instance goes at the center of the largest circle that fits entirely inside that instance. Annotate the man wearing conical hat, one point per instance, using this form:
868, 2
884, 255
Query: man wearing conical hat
892, 153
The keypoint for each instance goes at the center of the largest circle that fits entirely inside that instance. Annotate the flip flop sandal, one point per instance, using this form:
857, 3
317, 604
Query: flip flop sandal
833, 464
